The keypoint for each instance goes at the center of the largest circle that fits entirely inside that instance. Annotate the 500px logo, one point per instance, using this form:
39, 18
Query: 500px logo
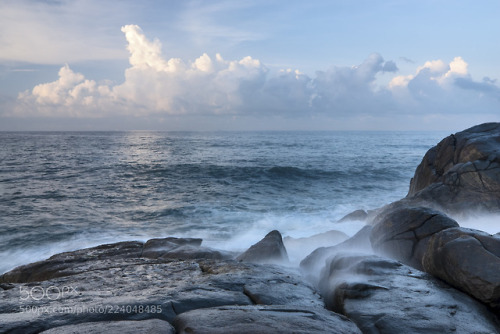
50, 293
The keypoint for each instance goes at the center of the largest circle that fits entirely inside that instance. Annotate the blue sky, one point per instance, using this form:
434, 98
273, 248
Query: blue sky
248, 65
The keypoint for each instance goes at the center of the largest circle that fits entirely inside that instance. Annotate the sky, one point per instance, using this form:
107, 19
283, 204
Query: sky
248, 65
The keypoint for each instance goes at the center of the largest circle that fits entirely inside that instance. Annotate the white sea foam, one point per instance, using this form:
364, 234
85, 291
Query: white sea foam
489, 223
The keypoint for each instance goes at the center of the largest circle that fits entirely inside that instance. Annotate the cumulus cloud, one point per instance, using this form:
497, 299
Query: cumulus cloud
155, 85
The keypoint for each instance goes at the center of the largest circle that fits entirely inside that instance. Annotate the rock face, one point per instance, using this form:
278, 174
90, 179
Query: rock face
462, 172
268, 250
263, 319
469, 260
153, 326
84, 260
403, 233
385, 296
87, 288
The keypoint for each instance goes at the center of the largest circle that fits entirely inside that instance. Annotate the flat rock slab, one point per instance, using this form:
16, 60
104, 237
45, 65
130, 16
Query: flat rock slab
153, 326
384, 296
274, 319
133, 289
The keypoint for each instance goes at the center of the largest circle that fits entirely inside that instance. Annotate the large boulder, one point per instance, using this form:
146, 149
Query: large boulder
403, 233
263, 319
384, 296
269, 250
462, 172
467, 259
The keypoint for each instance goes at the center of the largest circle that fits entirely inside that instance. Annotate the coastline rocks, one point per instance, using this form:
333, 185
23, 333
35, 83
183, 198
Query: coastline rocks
384, 296
403, 233
469, 260
153, 326
100, 286
462, 172
103, 256
263, 319
268, 250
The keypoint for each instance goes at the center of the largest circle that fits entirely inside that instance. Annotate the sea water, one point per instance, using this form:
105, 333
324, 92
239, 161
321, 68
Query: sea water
61, 191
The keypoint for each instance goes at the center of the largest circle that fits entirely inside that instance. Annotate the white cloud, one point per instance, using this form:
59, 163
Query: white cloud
155, 85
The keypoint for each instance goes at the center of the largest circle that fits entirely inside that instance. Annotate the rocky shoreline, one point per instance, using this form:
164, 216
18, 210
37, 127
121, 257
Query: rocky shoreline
411, 269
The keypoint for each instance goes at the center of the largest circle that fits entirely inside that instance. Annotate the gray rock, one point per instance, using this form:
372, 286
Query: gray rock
469, 260
385, 296
268, 250
462, 172
153, 326
404, 232
155, 248
360, 215
263, 319
99, 286
71, 263
104, 256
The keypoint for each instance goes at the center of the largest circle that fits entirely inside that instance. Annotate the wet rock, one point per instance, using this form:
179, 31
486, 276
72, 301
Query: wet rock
299, 248
384, 296
403, 233
469, 260
311, 266
268, 250
104, 256
263, 319
462, 172
110, 289
71, 263
360, 215
155, 248
153, 326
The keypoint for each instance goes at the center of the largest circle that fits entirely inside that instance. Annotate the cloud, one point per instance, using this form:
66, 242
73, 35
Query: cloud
207, 86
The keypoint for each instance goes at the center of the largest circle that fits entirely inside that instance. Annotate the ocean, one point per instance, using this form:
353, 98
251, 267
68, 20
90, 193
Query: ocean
61, 191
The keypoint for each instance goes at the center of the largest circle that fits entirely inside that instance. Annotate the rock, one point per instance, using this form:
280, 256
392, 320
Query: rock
403, 233
299, 248
71, 263
462, 172
268, 250
153, 326
155, 248
467, 259
314, 262
359, 215
263, 319
384, 296
103, 256
100, 286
